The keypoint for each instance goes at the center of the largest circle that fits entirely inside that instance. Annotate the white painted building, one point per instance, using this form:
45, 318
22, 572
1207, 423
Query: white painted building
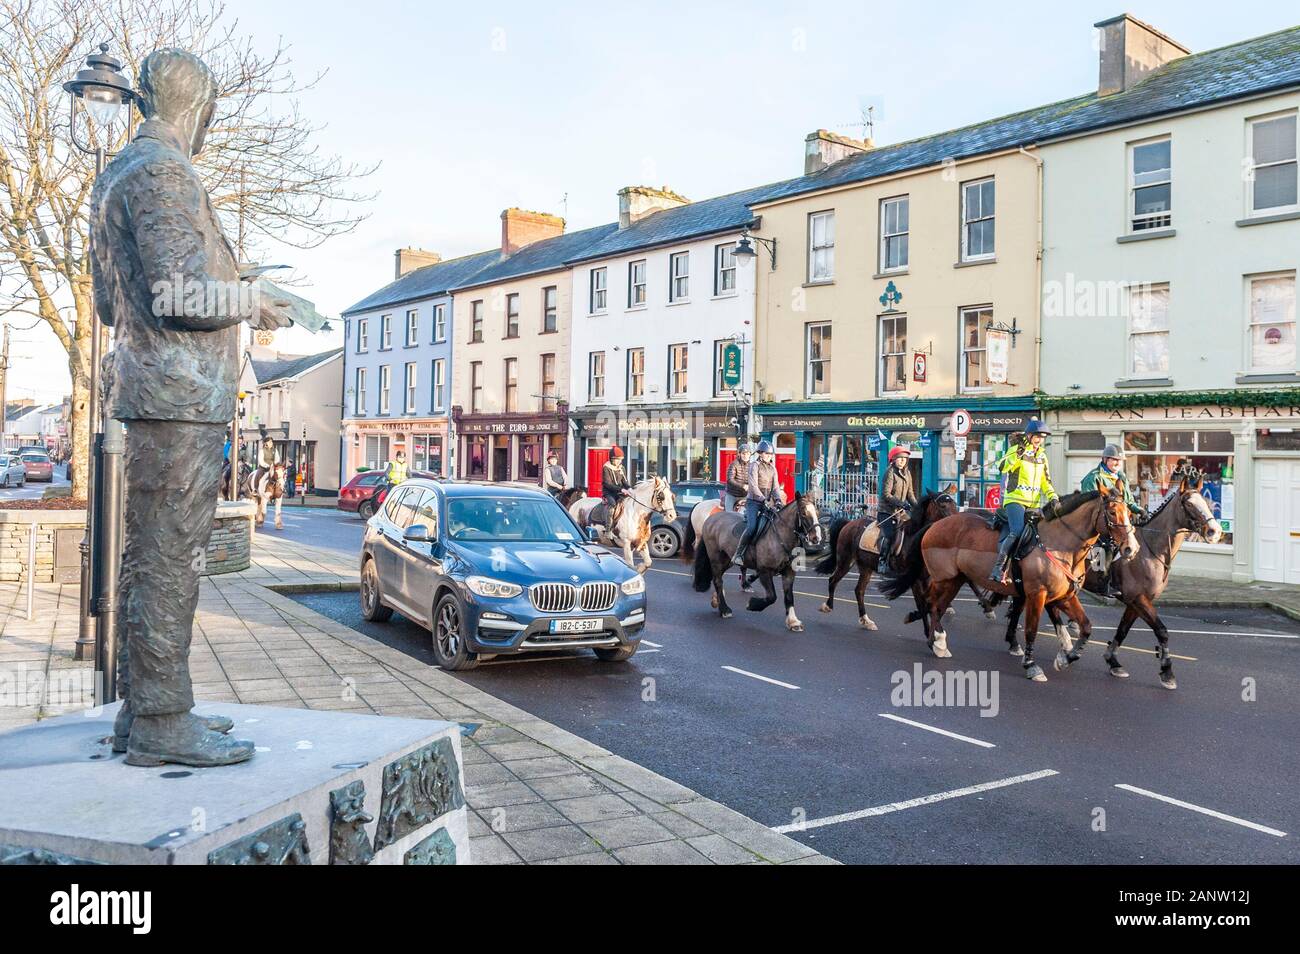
1171, 244
658, 309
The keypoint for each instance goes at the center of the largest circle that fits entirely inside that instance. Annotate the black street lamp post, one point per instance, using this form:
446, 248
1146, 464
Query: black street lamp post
100, 93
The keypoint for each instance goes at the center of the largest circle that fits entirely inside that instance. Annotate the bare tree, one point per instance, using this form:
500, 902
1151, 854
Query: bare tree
261, 165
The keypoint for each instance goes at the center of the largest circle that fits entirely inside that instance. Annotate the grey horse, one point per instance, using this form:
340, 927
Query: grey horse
793, 526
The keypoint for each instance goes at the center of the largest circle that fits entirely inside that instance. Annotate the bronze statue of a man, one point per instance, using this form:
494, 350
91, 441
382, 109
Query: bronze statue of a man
167, 281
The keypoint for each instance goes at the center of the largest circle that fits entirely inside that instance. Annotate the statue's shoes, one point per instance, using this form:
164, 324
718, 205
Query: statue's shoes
182, 739
122, 726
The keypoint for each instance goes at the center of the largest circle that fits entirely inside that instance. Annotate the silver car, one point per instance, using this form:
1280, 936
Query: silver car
13, 473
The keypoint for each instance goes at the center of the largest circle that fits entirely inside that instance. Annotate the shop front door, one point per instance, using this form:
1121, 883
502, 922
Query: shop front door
1277, 522
596, 459
785, 468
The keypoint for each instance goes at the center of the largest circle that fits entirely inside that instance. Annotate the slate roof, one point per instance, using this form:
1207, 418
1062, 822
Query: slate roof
281, 368
427, 282
1248, 68
1251, 67
726, 212
543, 256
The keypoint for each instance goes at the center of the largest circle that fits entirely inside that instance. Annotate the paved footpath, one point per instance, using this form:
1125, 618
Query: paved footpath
539, 794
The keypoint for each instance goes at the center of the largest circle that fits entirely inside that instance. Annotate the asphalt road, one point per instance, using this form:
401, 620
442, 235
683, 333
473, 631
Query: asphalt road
34, 490
791, 728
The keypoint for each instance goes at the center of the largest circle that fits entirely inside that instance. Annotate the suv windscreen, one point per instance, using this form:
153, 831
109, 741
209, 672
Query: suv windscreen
489, 519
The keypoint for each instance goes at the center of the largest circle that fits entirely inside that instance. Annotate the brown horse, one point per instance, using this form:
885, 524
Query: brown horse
1143, 578
853, 543
963, 548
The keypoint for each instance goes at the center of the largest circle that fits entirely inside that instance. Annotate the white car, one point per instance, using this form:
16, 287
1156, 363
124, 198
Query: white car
13, 472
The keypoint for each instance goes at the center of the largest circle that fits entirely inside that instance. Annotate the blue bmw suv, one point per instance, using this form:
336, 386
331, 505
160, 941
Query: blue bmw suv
492, 569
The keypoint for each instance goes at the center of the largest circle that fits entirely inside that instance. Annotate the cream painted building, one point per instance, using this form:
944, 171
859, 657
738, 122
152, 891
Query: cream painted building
296, 401
1171, 248
511, 351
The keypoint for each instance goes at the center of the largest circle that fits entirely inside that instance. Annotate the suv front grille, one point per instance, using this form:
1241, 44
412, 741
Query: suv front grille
553, 597
598, 597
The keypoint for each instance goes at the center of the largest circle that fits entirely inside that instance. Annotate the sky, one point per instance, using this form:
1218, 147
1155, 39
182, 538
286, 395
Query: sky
471, 108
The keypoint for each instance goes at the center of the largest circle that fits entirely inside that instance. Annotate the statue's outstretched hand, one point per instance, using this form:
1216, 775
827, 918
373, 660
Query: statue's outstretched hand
270, 316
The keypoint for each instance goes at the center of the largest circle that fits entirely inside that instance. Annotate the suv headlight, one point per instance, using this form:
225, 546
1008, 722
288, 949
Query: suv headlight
483, 586
634, 586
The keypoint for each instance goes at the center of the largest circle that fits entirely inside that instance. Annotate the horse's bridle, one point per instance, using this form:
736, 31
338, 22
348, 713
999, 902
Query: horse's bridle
1200, 526
656, 500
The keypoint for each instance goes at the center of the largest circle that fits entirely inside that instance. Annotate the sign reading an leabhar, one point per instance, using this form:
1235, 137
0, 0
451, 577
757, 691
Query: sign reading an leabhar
998, 344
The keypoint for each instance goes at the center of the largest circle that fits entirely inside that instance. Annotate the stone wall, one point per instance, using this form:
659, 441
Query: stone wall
229, 550
51, 526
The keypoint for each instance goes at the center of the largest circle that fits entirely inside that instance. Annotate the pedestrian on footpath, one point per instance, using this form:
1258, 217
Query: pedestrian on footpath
554, 478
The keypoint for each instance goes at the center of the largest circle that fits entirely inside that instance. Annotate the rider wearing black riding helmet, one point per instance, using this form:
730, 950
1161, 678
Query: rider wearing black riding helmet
762, 486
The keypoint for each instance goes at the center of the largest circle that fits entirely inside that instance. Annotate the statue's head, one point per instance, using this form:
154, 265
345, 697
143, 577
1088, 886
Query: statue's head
178, 88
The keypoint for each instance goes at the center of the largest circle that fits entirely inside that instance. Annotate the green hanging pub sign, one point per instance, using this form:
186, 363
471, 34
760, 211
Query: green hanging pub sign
731, 365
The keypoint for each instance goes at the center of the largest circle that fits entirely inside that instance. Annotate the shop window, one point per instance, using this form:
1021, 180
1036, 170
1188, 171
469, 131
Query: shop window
476, 457
1271, 439
1085, 441
530, 458
1153, 460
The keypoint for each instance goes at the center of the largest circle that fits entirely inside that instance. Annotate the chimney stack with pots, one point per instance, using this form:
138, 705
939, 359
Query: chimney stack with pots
636, 202
821, 148
519, 227
1130, 49
409, 259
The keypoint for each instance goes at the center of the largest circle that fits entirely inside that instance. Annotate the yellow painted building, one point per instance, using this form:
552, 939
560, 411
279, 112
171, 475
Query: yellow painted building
892, 301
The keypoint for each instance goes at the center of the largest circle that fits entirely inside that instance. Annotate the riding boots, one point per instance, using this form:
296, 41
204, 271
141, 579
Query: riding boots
999, 572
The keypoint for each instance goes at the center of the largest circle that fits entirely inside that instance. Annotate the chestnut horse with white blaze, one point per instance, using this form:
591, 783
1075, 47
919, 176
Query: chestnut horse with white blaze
963, 548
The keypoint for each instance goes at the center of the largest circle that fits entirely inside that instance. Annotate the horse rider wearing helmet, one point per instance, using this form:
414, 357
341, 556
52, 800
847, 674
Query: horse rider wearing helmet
896, 500
738, 478
1027, 485
761, 487
614, 484
1106, 476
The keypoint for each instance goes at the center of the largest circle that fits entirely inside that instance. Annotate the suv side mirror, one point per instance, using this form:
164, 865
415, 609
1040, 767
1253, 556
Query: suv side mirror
593, 535
418, 533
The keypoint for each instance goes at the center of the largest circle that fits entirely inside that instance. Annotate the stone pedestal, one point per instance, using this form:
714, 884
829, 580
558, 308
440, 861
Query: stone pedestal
323, 788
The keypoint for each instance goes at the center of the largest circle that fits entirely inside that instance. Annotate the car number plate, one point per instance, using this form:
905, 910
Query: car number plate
575, 625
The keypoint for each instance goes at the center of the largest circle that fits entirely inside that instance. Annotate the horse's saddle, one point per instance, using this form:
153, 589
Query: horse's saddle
604, 515
1028, 536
